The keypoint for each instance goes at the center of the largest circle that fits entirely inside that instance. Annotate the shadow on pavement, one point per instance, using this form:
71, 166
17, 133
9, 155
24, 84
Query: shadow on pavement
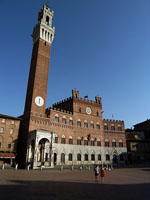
51, 190
148, 170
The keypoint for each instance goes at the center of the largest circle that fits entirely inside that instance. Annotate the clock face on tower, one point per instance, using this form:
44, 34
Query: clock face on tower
88, 110
39, 101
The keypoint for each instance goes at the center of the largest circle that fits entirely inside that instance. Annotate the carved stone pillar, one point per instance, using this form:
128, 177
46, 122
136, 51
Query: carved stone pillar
29, 153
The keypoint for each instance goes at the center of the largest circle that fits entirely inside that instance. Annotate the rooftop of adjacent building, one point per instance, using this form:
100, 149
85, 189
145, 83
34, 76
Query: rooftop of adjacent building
134, 135
9, 117
144, 123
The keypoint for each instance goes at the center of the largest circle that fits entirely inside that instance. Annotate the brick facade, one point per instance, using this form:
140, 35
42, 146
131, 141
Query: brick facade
72, 131
38, 77
9, 129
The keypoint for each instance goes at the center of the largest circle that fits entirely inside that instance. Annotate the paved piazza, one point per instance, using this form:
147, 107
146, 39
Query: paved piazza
119, 184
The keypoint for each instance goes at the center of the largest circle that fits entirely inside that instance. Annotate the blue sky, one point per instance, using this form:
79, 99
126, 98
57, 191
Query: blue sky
101, 47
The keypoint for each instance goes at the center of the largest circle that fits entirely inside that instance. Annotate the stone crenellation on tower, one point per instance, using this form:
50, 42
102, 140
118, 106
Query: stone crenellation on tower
44, 30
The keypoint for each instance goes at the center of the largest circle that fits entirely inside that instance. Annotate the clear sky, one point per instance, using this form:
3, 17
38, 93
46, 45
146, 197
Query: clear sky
101, 47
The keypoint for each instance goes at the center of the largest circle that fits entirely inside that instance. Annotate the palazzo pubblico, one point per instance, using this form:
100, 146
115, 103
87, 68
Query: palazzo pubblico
70, 132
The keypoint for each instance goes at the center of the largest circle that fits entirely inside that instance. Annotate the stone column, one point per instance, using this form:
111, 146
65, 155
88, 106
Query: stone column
49, 157
35, 156
102, 157
52, 158
50, 154
75, 159
66, 159
82, 159
28, 153
58, 159
42, 155
96, 158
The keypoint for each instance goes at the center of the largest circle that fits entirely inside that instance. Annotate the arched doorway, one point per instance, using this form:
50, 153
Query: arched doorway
55, 158
43, 151
62, 158
32, 150
115, 159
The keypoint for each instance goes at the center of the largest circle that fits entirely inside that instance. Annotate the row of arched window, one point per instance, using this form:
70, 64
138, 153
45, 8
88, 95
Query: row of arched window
64, 121
11, 130
92, 157
86, 125
8, 145
112, 128
47, 35
90, 125
91, 142
86, 157
114, 144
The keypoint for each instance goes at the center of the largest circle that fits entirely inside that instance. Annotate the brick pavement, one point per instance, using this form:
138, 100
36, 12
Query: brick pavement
54, 184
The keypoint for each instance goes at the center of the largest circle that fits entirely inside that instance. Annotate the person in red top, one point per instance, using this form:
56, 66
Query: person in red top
102, 174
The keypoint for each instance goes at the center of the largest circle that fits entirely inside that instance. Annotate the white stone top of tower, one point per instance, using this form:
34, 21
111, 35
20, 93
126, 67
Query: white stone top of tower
44, 30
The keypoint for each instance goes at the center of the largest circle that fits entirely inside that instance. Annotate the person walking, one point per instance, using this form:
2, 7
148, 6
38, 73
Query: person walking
96, 172
102, 174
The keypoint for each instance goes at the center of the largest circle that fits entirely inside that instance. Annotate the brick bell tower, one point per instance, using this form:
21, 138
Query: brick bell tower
43, 35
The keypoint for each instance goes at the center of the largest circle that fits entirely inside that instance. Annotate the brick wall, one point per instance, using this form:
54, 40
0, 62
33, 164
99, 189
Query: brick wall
9, 128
